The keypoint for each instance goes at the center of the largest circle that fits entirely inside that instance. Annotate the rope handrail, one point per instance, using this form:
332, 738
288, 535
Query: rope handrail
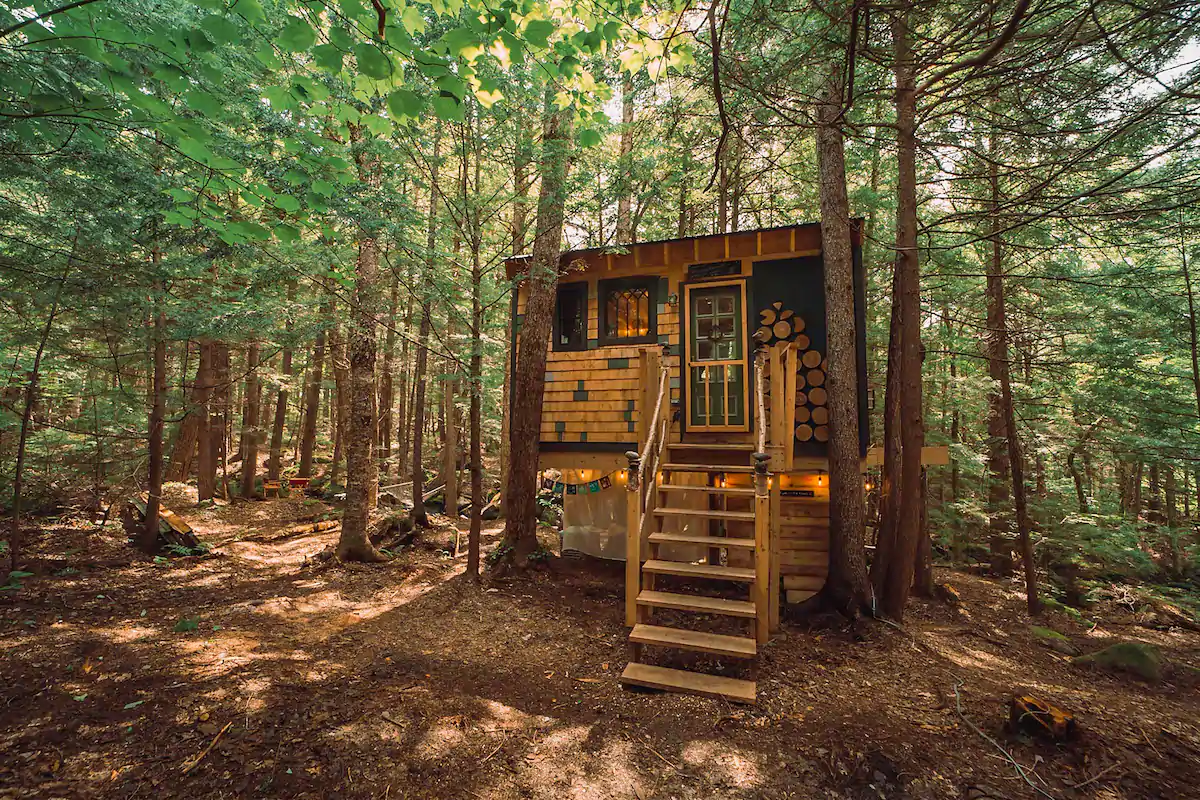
649, 496
664, 377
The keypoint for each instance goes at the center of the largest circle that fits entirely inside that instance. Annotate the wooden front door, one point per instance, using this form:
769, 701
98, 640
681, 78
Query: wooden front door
715, 357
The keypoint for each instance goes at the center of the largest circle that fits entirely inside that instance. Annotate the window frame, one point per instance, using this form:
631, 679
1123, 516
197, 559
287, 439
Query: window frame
578, 288
647, 282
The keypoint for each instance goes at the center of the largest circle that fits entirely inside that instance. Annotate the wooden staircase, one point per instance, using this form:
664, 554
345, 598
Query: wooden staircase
709, 541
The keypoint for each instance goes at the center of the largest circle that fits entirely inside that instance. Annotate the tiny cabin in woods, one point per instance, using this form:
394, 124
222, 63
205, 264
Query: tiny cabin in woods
684, 422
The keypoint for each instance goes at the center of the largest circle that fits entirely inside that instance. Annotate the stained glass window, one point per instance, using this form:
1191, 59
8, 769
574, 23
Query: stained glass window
628, 310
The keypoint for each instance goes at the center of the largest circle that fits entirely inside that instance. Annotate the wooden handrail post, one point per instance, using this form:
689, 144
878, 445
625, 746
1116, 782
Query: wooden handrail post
633, 540
762, 549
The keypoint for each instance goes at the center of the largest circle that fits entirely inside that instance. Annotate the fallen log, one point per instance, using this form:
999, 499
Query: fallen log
172, 530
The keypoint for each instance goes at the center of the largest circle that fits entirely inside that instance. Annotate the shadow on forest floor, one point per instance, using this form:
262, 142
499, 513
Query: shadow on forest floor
406, 680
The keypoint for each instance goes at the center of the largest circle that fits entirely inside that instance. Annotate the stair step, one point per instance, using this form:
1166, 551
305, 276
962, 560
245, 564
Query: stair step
744, 491
711, 447
678, 680
702, 604
704, 513
699, 641
663, 537
712, 571
731, 468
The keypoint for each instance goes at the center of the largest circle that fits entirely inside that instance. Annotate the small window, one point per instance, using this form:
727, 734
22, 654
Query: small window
628, 311
571, 317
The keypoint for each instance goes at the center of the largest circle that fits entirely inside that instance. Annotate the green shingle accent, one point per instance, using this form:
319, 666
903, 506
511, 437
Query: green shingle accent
549, 377
618, 363
633, 427
629, 416
592, 344
583, 437
518, 322
664, 338
579, 386
560, 436
630, 406
675, 382
580, 395
560, 426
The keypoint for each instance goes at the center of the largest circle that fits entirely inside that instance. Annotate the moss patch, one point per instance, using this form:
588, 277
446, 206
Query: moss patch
1134, 658
1047, 633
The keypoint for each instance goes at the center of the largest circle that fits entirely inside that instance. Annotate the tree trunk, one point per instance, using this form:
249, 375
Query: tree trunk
624, 232
387, 395
362, 470
520, 530
212, 439
206, 459
889, 490
998, 329
1191, 300
519, 232
402, 427
184, 449
250, 423
1135, 506
735, 201
476, 413
1173, 544
419, 516
31, 391
923, 569
912, 426
997, 354
312, 402
684, 174
847, 582
275, 461
957, 543
1154, 505
341, 379
148, 540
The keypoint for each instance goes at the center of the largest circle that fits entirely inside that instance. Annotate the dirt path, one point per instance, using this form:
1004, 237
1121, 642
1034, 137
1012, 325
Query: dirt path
403, 680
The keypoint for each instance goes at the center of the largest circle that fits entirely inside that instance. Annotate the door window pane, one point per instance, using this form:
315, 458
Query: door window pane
716, 333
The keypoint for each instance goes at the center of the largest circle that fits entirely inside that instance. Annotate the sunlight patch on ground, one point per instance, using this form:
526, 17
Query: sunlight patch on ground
287, 553
609, 774
731, 764
443, 736
972, 658
126, 634
254, 691
503, 717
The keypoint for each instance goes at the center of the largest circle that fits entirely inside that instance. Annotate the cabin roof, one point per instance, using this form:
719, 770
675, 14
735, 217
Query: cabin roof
690, 249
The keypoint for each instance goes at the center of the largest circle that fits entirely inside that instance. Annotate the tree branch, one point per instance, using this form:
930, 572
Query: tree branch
978, 60
42, 16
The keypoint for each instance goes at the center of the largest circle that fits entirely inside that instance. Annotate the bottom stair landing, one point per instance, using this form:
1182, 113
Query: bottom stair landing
678, 680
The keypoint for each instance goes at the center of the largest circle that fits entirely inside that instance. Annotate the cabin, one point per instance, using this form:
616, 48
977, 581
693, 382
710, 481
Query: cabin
684, 423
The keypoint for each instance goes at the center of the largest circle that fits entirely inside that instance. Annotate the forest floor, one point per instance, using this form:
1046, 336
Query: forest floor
404, 680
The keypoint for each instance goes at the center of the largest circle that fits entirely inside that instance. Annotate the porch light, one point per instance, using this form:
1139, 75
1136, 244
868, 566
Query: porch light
820, 478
